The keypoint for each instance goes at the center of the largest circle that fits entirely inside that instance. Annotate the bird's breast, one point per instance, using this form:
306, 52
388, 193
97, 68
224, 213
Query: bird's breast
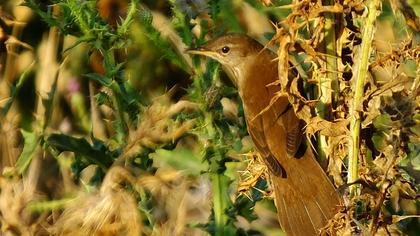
254, 88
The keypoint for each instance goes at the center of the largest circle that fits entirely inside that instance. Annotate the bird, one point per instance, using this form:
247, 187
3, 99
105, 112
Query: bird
304, 196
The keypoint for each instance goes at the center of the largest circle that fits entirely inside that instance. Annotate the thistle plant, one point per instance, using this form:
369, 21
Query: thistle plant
110, 109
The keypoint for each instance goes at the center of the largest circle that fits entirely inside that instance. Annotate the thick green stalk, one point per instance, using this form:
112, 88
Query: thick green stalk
215, 156
121, 127
219, 181
219, 184
117, 98
360, 73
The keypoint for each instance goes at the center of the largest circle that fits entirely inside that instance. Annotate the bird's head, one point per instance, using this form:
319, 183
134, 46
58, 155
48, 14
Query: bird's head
233, 51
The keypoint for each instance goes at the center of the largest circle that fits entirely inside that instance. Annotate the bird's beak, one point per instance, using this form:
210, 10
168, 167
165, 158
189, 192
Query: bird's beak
202, 51
216, 56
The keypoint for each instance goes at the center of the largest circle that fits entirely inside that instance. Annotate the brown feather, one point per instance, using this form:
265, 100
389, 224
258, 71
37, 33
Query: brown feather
304, 196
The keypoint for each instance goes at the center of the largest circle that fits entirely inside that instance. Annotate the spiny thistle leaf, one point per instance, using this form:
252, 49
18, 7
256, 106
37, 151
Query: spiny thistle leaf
97, 154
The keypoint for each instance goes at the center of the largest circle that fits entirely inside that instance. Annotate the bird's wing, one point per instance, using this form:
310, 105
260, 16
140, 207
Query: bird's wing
285, 116
305, 198
255, 129
294, 132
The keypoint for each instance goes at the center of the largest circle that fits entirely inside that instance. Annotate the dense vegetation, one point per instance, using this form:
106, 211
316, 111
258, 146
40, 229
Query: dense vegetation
107, 126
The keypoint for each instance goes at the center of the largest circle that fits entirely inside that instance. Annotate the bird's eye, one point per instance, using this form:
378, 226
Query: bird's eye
225, 49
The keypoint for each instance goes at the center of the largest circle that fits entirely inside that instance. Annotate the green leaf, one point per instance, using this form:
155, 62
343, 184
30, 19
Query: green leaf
162, 45
414, 155
383, 122
181, 159
244, 206
113, 70
15, 90
97, 154
379, 141
105, 81
214, 8
30, 147
103, 99
43, 206
83, 39
48, 103
131, 12
415, 129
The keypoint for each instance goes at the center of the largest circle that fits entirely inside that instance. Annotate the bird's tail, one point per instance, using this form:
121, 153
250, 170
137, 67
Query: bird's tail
306, 199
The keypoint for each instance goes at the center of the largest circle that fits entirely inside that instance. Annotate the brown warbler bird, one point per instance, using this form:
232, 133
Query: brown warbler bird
304, 196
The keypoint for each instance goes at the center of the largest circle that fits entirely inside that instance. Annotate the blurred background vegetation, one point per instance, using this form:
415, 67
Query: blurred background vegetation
107, 126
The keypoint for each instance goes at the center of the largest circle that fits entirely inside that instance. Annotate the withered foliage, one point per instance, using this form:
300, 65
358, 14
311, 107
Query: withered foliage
319, 49
389, 140
157, 126
112, 209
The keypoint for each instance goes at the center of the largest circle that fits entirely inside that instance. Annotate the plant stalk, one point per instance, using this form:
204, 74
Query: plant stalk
219, 182
360, 73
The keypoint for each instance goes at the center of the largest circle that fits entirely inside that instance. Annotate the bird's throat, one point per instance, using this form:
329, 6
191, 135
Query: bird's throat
233, 73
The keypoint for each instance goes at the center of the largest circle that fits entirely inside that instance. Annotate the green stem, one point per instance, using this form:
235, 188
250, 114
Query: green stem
77, 12
121, 128
219, 182
360, 73
131, 13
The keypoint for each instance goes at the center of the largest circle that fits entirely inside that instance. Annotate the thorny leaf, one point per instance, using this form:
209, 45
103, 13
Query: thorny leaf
387, 112
326, 128
93, 153
396, 218
255, 170
374, 97
284, 39
32, 142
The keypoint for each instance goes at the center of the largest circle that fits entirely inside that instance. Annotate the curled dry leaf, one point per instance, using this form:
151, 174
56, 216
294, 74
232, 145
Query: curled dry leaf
254, 170
284, 39
327, 128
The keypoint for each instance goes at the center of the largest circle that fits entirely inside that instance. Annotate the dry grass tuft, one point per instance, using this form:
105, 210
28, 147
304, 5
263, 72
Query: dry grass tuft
157, 126
16, 218
254, 171
109, 211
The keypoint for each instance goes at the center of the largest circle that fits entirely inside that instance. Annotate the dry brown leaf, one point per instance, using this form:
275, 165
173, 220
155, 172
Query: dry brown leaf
327, 128
254, 170
285, 42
